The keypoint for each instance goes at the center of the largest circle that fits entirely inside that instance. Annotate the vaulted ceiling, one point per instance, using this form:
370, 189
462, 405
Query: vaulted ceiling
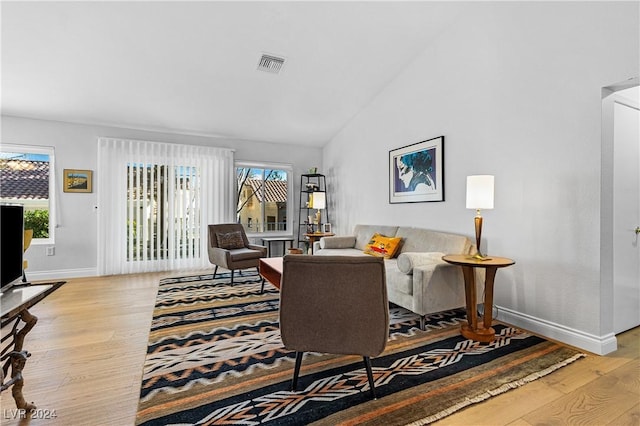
191, 67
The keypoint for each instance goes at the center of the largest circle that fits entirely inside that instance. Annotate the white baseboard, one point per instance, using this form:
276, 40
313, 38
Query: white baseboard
600, 345
61, 274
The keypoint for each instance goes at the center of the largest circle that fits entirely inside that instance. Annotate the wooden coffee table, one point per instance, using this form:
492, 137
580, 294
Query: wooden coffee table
271, 269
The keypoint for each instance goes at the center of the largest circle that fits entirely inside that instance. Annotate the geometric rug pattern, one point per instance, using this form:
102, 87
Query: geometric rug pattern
215, 357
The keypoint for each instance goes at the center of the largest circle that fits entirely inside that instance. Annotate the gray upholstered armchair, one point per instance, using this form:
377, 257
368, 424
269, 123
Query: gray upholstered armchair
334, 304
229, 247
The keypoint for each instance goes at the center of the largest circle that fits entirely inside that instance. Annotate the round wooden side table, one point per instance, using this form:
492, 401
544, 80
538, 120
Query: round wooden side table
315, 236
481, 332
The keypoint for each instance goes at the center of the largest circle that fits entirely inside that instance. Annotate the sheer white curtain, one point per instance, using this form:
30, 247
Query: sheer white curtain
155, 201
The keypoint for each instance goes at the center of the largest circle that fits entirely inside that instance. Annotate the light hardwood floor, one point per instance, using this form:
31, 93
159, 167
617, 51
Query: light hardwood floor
90, 341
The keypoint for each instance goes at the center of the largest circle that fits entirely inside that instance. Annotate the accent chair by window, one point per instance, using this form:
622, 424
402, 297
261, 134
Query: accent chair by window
230, 248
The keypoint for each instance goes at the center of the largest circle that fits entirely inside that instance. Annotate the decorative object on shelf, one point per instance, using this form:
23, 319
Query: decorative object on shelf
479, 196
416, 172
312, 186
313, 170
326, 228
77, 180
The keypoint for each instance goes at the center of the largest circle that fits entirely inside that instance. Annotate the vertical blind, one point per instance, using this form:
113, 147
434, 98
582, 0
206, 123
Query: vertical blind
155, 201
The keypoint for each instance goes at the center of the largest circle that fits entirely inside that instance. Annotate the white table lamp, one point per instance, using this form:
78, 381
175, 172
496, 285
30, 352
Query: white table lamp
319, 202
479, 196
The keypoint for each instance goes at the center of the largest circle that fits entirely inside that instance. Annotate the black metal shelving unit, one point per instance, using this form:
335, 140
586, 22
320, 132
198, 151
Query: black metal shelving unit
310, 183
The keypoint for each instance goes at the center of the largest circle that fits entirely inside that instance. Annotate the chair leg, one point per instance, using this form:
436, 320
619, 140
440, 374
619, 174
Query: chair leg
423, 322
232, 271
262, 287
367, 365
296, 371
215, 271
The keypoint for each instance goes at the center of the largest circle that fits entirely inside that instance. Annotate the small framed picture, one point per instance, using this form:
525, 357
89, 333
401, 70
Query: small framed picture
326, 228
77, 180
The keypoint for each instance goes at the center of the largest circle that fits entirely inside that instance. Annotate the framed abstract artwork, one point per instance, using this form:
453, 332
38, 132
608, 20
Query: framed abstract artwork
416, 172
77, 180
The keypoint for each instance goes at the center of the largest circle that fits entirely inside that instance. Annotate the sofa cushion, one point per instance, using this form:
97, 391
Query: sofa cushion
338, 242
230, 240
339, 252
408, 261
426, 240
240, 254
382, 246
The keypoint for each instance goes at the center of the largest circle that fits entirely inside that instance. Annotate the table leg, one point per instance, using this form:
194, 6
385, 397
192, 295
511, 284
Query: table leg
470, 297
488, 297
18, 358
270, 274
471, 330
18, 361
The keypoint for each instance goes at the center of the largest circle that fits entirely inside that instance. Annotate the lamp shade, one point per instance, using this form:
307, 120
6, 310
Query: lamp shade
480, 192
318, 200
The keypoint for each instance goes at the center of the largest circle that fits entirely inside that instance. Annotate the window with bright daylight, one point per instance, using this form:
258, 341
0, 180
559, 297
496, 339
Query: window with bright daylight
26, 177
264, 198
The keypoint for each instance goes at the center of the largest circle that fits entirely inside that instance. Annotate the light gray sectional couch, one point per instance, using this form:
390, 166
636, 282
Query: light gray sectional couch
417, 278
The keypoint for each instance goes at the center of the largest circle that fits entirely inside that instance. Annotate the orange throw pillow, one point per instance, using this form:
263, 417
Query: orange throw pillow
381, 246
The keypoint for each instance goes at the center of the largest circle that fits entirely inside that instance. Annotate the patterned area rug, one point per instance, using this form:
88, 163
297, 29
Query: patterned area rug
215, 357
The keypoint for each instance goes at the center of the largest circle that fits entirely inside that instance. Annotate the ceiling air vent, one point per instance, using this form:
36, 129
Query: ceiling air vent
270, 63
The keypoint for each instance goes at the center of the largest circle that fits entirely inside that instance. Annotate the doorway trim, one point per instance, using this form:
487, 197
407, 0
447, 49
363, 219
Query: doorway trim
607, 211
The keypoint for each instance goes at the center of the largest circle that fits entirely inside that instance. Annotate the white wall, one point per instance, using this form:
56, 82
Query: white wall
515, 88
76, 148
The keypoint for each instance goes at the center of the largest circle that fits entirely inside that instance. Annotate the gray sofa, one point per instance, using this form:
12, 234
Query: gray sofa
417, 278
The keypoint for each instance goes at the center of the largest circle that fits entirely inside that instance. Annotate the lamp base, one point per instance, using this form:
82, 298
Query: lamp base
478, 225
479, 257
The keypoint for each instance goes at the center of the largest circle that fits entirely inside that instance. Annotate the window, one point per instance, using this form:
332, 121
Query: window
27, 178
264, 197
163, 214
154, 208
